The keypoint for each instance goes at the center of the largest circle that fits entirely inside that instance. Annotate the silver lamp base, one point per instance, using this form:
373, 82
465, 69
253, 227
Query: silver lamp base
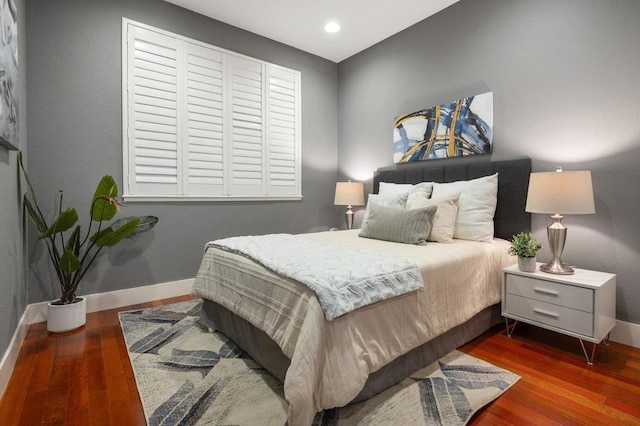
557, 235
349, 217
557, 268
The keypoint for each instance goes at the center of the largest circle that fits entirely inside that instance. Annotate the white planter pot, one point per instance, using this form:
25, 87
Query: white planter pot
62, 318
527, 264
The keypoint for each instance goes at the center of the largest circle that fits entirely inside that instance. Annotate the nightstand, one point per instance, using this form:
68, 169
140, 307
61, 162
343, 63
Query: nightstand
581, 305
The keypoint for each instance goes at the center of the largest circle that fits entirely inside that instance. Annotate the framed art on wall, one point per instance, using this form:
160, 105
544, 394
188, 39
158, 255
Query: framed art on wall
452, 129
8, 75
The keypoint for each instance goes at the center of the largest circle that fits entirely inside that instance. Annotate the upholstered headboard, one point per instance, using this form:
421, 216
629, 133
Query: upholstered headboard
513, 182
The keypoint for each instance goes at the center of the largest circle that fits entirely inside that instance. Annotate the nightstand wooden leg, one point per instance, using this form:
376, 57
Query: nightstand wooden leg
593, 352
510, 327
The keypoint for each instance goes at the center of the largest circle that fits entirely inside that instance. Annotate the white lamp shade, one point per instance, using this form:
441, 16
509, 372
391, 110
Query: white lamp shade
561, 193
349, 194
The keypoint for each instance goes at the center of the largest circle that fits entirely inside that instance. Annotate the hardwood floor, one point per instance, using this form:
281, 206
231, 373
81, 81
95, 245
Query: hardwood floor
556, 385
85, 378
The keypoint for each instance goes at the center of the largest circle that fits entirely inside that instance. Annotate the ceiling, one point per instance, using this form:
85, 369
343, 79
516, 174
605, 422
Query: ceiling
300, 23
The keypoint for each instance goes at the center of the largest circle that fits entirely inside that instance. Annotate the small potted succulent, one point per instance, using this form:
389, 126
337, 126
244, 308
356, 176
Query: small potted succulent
525, 247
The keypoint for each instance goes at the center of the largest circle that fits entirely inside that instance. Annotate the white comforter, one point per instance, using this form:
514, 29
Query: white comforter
343, 278
331, 360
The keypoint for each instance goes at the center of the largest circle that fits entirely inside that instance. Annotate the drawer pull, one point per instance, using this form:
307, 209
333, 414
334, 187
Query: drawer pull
543, 312
545, 291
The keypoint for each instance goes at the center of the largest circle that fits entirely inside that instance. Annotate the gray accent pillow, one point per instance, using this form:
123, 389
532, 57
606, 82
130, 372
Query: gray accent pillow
399, 225
390, 200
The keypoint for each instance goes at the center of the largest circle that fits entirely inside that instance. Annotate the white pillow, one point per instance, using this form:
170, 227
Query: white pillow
417, 190
476, 206
390, 200
444, 221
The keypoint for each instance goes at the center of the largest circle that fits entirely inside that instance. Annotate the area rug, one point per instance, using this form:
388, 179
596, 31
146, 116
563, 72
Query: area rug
188, 376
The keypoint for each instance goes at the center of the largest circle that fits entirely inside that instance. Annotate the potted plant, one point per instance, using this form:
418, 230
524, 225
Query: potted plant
72, 255
525, 247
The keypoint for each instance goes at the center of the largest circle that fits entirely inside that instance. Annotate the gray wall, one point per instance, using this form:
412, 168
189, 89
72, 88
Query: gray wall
75, 130
565, 79
13, 289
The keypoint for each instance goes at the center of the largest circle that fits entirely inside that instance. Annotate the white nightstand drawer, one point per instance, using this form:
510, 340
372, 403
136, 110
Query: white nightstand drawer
547, 313
551, 292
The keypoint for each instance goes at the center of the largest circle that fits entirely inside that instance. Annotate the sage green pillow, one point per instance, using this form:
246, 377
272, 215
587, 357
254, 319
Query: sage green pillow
399, 225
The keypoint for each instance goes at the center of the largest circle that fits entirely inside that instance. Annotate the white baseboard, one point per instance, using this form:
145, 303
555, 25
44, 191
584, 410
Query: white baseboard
37, 312
11, 354
626, 333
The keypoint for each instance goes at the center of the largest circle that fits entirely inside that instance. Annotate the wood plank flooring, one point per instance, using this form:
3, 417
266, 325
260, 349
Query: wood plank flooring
85, 378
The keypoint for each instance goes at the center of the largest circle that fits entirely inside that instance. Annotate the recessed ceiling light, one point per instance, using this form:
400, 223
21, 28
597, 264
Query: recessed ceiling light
332, 27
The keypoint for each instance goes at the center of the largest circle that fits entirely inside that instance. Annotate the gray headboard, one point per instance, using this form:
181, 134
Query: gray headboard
513, 182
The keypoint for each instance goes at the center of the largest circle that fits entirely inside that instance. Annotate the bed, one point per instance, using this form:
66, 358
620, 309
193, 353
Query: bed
325, 364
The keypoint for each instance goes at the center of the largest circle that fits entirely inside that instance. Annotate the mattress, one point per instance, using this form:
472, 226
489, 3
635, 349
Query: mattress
331, 360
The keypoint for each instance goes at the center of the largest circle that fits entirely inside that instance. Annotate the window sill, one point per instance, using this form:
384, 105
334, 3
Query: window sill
200, 198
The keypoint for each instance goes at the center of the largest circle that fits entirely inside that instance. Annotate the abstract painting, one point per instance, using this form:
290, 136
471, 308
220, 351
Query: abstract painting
452, 129
8, 75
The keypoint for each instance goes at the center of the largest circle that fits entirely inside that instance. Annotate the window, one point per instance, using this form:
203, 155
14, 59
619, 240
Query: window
201, 122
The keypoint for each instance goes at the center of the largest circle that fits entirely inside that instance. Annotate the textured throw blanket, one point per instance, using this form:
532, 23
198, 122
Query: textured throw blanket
344, 278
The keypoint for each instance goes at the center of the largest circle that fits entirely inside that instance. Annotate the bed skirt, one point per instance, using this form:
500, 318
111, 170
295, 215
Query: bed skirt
268, 354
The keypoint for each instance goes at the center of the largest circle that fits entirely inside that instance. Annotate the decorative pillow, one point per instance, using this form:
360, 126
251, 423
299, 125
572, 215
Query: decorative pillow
476, 206
417, 190
444, 221
398, 200
399, 225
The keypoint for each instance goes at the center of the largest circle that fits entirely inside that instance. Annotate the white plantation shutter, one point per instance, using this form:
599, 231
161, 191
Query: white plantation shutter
200, 122
283, 151
247, 133
153, 150
205, 163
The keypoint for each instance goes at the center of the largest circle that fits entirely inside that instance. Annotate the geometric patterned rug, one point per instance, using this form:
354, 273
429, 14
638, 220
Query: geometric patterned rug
188, 376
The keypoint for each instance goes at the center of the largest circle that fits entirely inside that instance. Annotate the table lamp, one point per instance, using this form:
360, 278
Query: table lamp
559, 193
349, 194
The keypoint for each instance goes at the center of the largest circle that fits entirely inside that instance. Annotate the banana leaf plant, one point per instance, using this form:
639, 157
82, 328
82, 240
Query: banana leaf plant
73, 254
